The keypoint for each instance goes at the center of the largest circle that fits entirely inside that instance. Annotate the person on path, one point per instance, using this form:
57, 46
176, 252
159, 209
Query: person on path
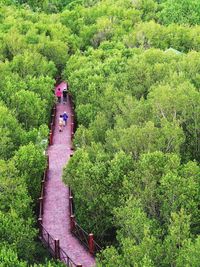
58, 94
64, 95
60, 123
65, 117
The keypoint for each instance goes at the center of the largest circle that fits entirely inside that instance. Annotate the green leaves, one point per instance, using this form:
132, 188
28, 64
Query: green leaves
10, 132
137, 106
18, 233
30, 161
178, 233
181, 12
8, 257
95, 179
189, 254
32, 64
29, 109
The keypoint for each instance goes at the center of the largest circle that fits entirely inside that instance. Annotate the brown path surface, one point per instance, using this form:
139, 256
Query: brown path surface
56, 206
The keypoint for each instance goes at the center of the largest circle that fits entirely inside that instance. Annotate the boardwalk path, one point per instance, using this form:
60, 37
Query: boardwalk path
56, 207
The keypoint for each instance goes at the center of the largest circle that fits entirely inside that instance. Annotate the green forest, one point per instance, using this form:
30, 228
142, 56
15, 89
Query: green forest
133, 68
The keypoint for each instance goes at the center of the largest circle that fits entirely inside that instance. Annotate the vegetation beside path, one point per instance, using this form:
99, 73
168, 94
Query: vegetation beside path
133, 69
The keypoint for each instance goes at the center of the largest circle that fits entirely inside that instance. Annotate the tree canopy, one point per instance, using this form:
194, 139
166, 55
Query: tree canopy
133, 71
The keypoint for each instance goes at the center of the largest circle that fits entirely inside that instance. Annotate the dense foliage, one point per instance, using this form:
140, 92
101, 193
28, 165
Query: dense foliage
135, 173
133, 69
29, 63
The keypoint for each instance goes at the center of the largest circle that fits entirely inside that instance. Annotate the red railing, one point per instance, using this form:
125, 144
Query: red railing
41, 199
86, 239
72, 117
54, 248
45, 237
49, 241
64, 258
52, 125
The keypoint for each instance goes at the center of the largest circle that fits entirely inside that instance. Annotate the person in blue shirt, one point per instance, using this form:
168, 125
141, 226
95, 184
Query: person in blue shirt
65, 117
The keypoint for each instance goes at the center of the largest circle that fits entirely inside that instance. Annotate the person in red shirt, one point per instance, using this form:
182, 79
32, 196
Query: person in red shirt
58, 94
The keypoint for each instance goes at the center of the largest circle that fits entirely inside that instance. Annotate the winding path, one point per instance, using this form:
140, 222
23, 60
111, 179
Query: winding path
56, 218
